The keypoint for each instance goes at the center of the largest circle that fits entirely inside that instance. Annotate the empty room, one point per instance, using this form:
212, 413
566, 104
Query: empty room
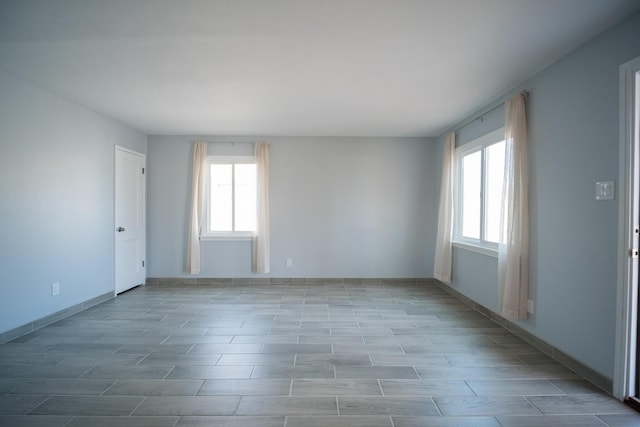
297, 213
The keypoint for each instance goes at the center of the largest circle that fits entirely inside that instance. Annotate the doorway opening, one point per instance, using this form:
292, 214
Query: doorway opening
627, 369
635, 398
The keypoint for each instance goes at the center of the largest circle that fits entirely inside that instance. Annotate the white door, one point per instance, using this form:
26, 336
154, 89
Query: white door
129, 220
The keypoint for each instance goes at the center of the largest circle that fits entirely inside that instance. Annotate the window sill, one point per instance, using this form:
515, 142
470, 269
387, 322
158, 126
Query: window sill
228, 237
478, 249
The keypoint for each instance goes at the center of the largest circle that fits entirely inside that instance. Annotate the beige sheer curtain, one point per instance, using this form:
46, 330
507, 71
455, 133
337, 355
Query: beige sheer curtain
261, 262
197, 207
513, 248
443, 258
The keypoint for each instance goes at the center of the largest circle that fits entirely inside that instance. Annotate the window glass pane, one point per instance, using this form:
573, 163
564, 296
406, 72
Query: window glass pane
471, 187
245, 197
221, 198
494, 173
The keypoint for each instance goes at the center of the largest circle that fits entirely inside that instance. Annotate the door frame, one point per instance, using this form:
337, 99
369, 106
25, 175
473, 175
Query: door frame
144, 213
625, 370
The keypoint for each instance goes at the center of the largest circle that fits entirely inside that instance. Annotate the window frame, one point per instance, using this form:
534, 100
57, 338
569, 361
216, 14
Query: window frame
206, 233
480, 144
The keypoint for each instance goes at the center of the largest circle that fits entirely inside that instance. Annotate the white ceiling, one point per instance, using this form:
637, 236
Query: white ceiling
292, 67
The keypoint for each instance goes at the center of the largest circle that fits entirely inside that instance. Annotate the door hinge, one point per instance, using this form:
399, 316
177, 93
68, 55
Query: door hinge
634, 253
142, 171
143, 263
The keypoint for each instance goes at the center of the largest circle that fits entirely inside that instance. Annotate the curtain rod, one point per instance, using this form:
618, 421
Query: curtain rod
227, 142
481, 116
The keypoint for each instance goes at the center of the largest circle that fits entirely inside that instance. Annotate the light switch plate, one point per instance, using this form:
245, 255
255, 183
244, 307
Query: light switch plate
605, 190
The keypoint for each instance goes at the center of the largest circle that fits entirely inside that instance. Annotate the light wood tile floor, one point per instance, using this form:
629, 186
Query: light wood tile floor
322, 354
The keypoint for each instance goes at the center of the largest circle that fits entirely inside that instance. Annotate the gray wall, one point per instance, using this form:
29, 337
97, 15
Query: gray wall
340, 207
56, 187
573, 115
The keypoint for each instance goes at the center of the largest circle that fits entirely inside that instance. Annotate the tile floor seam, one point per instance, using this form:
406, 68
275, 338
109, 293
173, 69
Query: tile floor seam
418, 376
144, 398
603, 421
197, 393
85, 372
533, 405
36, 406
466, 382
498, 421
169, 372
119, 348
435, 404
107, 389
235, 411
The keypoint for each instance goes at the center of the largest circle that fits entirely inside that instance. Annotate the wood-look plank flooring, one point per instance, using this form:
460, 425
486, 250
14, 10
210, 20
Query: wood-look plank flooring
290, 355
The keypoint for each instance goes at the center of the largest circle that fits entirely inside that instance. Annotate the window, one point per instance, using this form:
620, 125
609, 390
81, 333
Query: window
230, 197
479, 179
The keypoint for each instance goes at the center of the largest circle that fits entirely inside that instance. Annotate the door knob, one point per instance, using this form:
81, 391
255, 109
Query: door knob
120, 229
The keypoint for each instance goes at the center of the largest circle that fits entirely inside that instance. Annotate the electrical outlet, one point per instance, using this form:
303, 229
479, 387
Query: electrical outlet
530, 306
289, 262
55, 289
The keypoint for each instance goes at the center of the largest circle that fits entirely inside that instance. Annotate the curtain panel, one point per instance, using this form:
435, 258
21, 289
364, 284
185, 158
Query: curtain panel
260, 249
443, 257
197, 207
513, 247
